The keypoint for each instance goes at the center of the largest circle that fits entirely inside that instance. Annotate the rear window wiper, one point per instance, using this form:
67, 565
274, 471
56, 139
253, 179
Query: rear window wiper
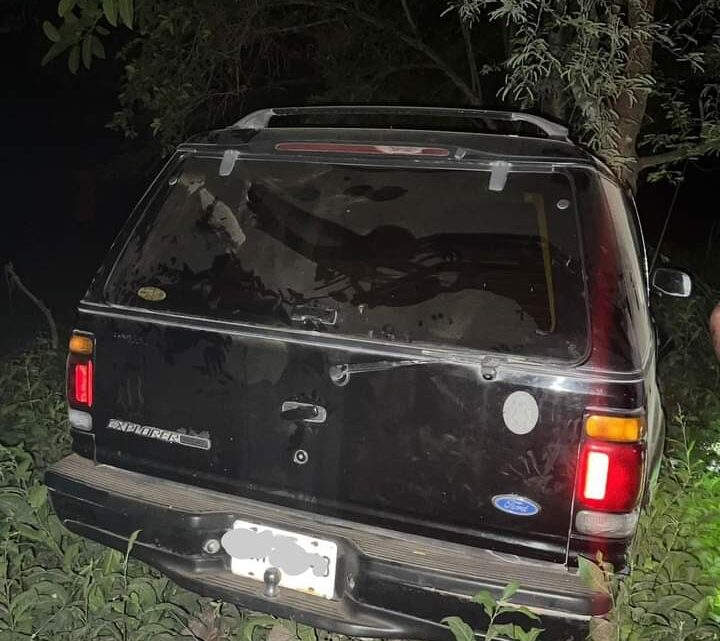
340, 374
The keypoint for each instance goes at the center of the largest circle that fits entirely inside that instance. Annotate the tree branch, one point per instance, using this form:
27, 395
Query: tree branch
12, 277
410, 19
675, 155
411, 41
472, 64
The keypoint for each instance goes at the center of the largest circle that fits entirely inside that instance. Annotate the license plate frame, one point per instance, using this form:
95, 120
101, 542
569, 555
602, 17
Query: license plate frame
254, 548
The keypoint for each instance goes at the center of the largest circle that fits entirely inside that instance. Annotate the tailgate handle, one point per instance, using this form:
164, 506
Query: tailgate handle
305, 412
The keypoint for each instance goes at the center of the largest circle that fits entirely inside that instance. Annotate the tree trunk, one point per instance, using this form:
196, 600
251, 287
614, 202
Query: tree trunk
632, 103
555, 100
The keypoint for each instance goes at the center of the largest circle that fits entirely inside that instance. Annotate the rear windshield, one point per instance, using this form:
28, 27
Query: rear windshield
412, 255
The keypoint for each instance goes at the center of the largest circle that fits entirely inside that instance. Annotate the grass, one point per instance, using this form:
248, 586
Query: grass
56, 586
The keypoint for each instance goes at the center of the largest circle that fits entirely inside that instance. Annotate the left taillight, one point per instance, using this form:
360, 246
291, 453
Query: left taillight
81, 372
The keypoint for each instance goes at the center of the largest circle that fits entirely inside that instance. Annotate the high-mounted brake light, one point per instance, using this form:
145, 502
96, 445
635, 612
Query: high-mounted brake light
365, 149
620, 429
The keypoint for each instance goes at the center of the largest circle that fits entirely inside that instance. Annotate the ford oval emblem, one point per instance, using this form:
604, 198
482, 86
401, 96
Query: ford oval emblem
514, 504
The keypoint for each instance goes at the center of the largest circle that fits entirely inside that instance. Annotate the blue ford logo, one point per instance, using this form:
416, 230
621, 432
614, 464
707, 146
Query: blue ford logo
514, 504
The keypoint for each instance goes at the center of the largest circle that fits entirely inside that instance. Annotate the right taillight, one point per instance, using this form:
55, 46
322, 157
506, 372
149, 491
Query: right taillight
610, 474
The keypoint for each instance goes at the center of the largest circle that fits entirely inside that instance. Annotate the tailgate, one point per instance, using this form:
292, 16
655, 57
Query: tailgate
423, 448
244, 296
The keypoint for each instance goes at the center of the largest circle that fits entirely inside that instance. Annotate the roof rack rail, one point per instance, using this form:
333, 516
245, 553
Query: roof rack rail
260, 119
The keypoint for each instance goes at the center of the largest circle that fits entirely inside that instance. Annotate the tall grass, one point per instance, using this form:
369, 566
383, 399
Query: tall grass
55, 586
672, 591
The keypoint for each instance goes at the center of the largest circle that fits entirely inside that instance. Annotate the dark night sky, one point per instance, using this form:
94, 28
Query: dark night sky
68, 181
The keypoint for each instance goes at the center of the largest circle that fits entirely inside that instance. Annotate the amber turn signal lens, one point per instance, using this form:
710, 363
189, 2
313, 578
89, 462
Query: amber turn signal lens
619, 429
81, 345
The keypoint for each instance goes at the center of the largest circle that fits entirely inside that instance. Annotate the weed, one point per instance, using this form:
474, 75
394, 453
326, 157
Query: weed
671, 590
495, 610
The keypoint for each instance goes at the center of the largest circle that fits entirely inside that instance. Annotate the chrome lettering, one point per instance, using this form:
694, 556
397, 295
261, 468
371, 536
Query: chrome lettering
158, 434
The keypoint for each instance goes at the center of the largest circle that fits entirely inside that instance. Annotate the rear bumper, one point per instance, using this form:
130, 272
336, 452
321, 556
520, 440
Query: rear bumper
388, 584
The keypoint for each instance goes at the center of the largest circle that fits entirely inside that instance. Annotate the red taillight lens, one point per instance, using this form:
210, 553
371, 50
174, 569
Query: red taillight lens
81, 371
83, 388
610, 475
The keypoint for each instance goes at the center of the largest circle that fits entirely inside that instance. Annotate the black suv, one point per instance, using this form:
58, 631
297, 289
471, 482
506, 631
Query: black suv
352, 375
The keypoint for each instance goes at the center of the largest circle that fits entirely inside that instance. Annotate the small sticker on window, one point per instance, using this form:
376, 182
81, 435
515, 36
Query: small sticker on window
153, 294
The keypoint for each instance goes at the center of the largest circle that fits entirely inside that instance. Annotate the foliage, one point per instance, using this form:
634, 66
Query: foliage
672, 590
599, 64
689, 371
495, 610
32, 403
55, 586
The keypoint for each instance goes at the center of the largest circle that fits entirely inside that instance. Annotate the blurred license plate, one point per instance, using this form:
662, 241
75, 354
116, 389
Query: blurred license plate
306, 563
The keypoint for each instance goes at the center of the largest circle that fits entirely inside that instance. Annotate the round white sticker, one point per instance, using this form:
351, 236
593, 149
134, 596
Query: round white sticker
520, 412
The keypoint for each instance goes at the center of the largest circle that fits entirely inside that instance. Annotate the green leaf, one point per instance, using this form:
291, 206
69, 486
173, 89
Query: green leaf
110, 9
131, 543
485, 598
96, 598
521, 609
509, 590
143, 588
527, 635
71, 554
126, 10
51, 32
505, 629
253, 623
22, 603
87, 51
31, 533
113, 561
305, 632
74, 59
37, 496
592, 575
97, 48
532, 634
460, 630
65, 6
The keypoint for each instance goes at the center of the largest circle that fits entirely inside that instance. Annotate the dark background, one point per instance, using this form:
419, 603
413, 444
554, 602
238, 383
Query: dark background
68, 181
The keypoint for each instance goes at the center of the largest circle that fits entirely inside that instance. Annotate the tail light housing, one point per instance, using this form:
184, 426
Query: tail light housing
81, 372
610, 474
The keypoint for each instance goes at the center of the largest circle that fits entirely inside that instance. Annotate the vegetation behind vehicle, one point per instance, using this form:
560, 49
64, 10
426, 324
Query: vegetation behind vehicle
54, 585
